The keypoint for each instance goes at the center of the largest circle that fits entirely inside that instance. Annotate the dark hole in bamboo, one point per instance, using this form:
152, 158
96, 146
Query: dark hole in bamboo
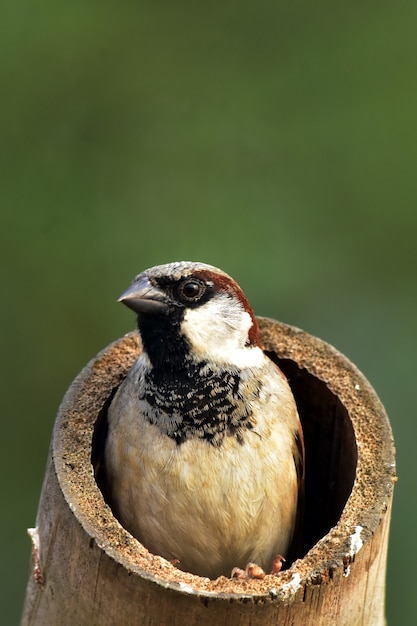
331, 452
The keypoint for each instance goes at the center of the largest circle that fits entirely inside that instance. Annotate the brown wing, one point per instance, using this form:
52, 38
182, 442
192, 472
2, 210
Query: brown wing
299, 461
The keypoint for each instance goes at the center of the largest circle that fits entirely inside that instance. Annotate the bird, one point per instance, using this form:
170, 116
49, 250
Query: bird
204, 454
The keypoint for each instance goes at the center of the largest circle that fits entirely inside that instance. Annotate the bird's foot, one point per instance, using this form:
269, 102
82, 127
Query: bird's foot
252, 570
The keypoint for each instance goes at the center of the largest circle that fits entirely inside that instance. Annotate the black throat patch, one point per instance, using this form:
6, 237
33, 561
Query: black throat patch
196, 401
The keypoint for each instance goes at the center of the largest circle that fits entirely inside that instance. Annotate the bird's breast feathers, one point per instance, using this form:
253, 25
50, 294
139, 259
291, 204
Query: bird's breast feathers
198, 488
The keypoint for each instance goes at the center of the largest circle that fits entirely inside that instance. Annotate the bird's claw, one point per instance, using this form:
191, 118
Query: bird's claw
252, 570
277, 564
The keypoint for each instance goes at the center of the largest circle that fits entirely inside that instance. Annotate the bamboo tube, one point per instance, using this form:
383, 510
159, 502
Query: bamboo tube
87, 570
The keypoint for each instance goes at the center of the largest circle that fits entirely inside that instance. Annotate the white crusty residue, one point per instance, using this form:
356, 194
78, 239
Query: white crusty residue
36, 571
34, 535
186, 588
292, 586
356, 542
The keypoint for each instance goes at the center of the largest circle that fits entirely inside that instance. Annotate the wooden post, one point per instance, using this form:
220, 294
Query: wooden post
87, 570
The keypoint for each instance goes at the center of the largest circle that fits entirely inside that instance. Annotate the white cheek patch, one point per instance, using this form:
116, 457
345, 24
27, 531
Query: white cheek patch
219, 330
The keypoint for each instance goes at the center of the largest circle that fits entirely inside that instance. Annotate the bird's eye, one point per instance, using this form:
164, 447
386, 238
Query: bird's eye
190, 290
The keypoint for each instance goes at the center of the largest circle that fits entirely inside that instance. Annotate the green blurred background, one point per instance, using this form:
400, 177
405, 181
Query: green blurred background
277, 140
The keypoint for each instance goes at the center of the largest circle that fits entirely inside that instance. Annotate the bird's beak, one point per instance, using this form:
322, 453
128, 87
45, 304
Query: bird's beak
143, 297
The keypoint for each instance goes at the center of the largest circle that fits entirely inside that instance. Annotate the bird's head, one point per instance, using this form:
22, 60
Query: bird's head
195, 310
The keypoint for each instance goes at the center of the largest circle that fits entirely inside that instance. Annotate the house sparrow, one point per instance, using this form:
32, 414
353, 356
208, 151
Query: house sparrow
204, 452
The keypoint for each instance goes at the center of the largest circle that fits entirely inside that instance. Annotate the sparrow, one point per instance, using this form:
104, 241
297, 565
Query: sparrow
204, 452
